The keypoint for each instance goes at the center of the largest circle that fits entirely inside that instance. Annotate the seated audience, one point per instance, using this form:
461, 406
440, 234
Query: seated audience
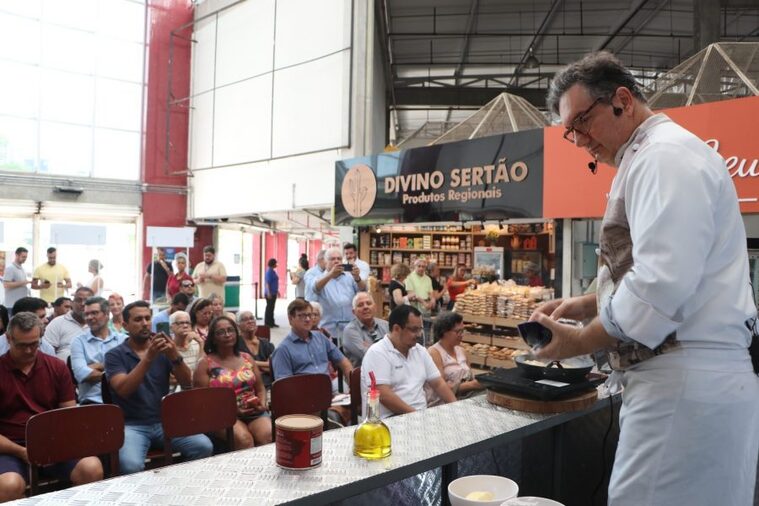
88, 350
450, 359
116, 306
38, 307
32, 383
178, 303
201, 314
259, 349
187, 287
138, 373
226, 366
63, 330
402, 367
217, 305
61, 306
364, 330
189, 344
305, 351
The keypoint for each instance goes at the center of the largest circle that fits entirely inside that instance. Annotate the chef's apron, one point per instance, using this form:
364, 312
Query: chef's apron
689, 429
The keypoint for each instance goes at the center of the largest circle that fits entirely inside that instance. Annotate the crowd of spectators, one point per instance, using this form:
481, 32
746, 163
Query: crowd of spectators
140, 357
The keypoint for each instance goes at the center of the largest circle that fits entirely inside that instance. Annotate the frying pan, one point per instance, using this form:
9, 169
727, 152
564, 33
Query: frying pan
574, 369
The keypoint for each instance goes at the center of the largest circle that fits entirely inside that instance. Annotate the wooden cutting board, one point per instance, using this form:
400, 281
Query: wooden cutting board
521, 403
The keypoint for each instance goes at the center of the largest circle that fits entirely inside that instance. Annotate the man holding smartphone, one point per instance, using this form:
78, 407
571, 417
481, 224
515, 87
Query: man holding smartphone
673, 299
138, 373
335, 291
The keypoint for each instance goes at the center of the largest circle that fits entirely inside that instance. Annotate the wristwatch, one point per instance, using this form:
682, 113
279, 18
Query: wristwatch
177, 360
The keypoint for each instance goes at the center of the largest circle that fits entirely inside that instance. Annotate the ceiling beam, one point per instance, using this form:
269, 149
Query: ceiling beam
470, 24
464, 96
536, 39
621, 25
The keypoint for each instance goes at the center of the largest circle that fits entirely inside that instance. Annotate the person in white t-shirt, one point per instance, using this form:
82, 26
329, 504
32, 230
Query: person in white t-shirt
402, 367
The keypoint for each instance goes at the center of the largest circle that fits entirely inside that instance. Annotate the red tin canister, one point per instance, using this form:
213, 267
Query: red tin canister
299, 441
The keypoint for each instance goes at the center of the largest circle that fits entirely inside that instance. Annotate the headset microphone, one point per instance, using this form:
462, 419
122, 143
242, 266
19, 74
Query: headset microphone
616, 110
593, 167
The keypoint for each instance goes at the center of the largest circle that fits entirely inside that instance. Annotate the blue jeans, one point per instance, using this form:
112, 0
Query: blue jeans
138, 439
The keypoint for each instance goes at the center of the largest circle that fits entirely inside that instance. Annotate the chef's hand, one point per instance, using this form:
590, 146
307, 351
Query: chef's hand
565, 340
574, 308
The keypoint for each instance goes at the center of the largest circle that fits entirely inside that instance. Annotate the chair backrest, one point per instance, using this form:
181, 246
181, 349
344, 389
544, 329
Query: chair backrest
355, 388
263, 331
198, 411
303, 394
105, 390
72, 433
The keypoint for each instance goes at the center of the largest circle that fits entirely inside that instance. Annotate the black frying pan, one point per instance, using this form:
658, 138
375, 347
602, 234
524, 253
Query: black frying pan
573, 370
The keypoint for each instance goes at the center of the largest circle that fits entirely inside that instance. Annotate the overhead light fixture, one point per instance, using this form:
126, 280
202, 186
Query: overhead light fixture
531, 62
74, 190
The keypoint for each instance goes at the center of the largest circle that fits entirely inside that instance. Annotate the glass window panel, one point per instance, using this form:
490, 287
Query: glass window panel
19, 39
119, 59
117, 154
18, 144
80, 14
67, 49
67, 97
65, 149
118, 104
19, 89
31, 8
121, 19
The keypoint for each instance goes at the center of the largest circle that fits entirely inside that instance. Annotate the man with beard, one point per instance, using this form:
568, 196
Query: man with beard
210, 274
14, 280
38, 307
88, 350
138, 373
63, 330
51, 279
32, 383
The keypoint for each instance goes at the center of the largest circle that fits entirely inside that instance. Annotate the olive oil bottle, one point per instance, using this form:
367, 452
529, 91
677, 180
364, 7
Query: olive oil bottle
371, 439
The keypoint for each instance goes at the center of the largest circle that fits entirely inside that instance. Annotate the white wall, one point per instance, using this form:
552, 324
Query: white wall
280, 92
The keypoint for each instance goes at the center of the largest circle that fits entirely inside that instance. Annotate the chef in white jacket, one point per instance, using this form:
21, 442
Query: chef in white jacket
673, 298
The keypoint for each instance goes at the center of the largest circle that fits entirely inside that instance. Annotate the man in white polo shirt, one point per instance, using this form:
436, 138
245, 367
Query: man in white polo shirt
402, 367
61, 331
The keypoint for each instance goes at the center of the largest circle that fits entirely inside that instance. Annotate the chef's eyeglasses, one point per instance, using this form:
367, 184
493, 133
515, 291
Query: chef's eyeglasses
578, 124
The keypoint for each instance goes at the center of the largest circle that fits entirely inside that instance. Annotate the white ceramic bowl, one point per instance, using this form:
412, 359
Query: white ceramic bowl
501, 488
531, 501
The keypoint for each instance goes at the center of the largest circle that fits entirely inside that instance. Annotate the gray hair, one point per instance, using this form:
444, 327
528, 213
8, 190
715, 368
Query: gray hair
243, 313
355, 299
420, 259
23, 321
176, 314
100, 301
316, 306
215, 296
445, 322
333, 250
322, 253
180, 255
601, 73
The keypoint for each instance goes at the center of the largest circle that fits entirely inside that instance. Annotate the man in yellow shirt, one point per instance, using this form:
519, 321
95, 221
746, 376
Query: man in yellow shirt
210, 274
51, 279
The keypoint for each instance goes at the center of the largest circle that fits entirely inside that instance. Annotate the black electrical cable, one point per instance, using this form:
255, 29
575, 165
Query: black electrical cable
603, 450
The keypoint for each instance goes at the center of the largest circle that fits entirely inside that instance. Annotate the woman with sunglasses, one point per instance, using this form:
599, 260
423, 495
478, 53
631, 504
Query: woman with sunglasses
226, 366
450, 358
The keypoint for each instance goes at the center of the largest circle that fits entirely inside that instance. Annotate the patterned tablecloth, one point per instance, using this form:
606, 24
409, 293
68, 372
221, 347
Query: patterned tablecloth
421, 441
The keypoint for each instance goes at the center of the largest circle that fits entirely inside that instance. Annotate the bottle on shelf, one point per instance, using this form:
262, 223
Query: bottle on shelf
371, 439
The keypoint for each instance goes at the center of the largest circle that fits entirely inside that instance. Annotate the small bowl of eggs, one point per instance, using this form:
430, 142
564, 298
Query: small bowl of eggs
481, 489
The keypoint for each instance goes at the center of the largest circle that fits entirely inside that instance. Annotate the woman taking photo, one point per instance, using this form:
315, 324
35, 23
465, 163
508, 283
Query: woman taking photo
175, 280
201, 315
450, 358
398, 294
225, 366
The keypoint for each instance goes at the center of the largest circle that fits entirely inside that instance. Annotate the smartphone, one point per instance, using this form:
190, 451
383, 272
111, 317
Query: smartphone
163, 327
348, 267
534, 334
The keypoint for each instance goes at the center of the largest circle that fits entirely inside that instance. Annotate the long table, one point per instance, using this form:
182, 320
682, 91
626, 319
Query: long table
425, 440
